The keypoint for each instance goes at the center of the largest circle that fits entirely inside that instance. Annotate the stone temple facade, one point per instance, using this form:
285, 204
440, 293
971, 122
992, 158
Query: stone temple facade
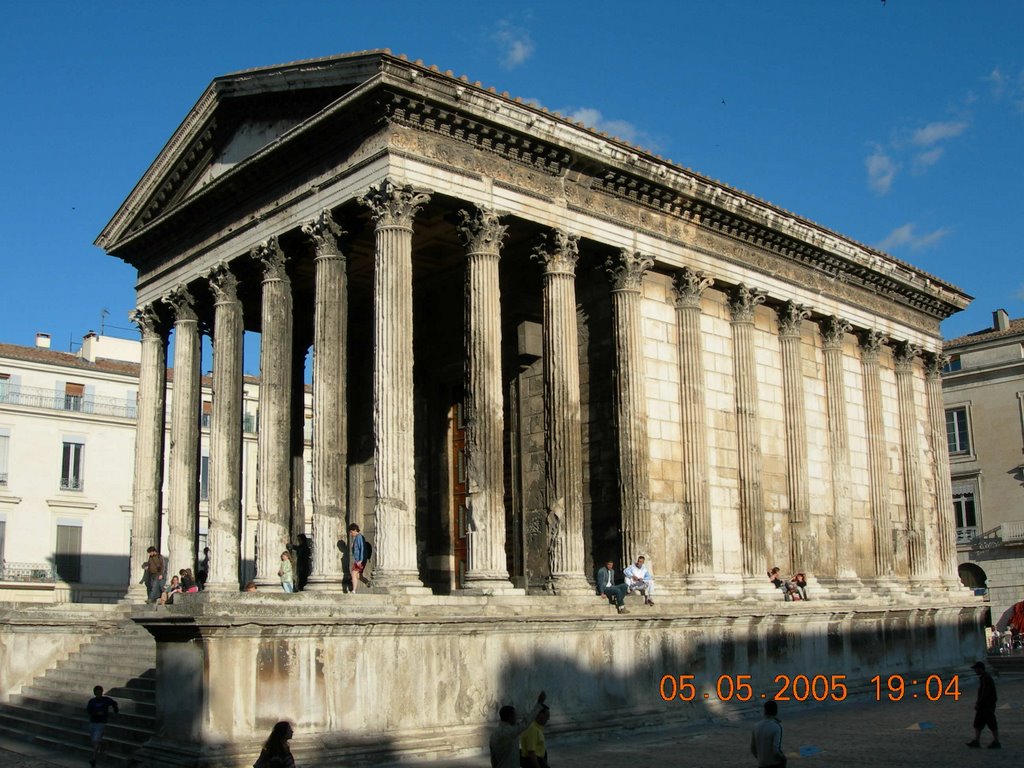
534, 348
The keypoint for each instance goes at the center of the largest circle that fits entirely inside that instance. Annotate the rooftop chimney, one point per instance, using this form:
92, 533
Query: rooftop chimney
43, 340
1000, 320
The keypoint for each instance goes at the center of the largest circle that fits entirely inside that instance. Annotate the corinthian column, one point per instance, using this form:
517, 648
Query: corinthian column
273, 487
626, 272
742, 301
563, 432
147, 492
225, 433
947, 560
803, 542
330, 403
482, 233
833, 330
921, 573
393, 210
183, 504
871, 345
689, 286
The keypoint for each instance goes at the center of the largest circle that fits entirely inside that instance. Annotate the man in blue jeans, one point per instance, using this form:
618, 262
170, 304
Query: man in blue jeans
606, 585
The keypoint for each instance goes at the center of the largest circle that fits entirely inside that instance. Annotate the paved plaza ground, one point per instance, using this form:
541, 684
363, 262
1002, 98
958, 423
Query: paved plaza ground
857, 732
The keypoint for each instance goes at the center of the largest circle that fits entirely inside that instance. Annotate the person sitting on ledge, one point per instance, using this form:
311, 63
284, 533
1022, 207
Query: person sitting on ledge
607, 586
775, 576
798, 585
639, 579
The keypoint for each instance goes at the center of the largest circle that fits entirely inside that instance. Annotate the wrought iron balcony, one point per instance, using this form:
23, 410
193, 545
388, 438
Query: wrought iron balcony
37, 397
37, 572
71, 483
966, 534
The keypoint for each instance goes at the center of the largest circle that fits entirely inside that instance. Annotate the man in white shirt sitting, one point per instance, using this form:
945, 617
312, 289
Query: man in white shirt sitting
639, 579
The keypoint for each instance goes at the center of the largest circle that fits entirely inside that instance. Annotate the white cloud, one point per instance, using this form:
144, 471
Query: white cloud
925, 160
881, 170
936, 132
592, 118
998, 81
514, 44
907, 236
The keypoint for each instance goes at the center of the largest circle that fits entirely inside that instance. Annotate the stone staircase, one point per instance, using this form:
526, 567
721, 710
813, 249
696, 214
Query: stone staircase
51, 710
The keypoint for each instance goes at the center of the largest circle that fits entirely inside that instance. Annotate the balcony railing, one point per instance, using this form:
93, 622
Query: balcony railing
37, 572
1012, 531
3, 478
36, 397
71, 483
967, 534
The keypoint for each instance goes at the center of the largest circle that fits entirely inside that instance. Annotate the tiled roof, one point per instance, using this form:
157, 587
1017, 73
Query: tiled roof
987, 334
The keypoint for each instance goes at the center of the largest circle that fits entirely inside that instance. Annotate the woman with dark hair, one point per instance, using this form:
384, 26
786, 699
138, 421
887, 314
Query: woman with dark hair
276, 752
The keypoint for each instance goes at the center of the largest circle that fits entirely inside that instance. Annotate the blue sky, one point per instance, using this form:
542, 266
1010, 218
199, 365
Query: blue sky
899, 124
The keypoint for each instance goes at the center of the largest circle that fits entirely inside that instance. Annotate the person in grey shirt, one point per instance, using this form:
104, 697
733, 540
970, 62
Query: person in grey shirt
766, 739
504, 741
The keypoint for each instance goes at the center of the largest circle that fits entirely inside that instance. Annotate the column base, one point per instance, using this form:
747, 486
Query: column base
845, 588
325, 584
890, 586
222, 587
571, 584
395, 583
478, 590
137, 593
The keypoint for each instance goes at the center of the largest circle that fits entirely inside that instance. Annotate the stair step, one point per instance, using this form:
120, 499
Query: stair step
120, 739
129, 712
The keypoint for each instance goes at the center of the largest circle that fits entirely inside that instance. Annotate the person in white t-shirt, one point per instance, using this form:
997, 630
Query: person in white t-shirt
639, 579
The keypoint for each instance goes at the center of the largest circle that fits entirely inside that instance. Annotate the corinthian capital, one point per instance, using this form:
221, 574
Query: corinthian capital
871, 342
558, 251
481, 230
272, 258
742, 300
791, 316
392, 205
151, 322
626, 271
182, 303
325, 232
833, 330
689, 285
904, 353
223, 284
934, 362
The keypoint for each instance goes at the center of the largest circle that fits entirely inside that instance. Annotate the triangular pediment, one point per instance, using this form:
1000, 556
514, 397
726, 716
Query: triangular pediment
236, 117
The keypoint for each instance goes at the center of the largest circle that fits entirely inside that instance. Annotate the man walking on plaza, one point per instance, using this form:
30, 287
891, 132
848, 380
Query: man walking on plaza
985, 708
504, 741
766, 740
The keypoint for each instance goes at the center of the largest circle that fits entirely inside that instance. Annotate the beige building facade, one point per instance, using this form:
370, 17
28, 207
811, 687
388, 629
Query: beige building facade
983, 390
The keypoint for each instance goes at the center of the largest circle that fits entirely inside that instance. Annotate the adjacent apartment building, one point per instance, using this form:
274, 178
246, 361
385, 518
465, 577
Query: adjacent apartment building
67, 443
983, 393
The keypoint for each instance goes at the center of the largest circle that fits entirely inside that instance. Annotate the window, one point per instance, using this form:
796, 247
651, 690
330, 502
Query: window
204, 420
5, 386
956, 431
3, 526
67, 556
204, 478
74, 396
965, 511
952, 365
72, 466
5, 448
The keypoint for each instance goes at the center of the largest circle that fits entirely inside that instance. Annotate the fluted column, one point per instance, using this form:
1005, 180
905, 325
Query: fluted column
742, 301
946, 554
871, 343
273, 487
803, 549
921, 572
689, 286
563, 431
183, 485
626, 272
393, 210
482, 233
330, 402
833, 330
147, 492
225, 433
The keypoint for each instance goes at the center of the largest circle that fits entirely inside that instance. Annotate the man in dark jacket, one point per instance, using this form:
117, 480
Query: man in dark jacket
985, 708
606, 585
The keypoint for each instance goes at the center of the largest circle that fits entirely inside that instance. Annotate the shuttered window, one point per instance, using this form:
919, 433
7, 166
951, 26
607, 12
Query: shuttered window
67, 556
